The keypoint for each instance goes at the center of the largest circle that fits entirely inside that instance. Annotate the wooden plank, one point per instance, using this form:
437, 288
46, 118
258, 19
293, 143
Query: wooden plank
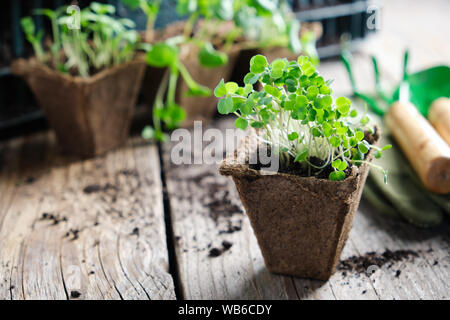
84, 229
205, 209
206, 214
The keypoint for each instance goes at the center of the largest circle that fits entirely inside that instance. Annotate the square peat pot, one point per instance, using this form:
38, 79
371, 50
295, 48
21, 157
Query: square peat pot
92, 115
301, 223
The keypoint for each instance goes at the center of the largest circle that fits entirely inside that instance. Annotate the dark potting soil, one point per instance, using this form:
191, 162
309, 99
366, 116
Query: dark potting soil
361, 264
216, 252
95, 188
303, 170
52, 217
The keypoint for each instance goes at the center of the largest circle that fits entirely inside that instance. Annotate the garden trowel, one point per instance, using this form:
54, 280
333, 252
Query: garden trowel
419, 95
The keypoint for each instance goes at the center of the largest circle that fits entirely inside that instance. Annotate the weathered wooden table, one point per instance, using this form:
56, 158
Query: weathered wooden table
132, 225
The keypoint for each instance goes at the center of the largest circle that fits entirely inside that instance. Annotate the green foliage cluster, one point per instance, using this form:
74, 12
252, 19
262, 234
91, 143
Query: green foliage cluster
262, 23
297, 115
102, 40
271, 23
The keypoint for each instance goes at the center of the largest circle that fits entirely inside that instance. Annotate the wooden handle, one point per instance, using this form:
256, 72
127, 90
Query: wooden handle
439, 117
427, 152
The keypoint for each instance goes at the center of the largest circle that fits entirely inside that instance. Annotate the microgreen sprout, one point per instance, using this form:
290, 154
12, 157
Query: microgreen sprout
150, 9
298, 117
101, 42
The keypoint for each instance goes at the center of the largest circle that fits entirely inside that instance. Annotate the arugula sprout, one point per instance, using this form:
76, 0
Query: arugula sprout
34, 38
102, 41
150, 9
297, 116
166, 54
271, 23
274, 23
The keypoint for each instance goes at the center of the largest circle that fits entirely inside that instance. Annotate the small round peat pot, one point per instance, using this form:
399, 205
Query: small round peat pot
89, 115
301, 223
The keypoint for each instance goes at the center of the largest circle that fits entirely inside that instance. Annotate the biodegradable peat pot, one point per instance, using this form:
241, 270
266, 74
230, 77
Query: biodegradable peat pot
89, 115
202, 108
301, 223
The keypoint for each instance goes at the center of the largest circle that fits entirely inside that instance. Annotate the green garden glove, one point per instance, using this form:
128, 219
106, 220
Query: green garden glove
410, 201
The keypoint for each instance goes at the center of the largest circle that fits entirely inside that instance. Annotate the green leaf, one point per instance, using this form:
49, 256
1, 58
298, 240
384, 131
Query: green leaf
312, 92
248, 89
308, 69
293, 136
301, 102
251, 78
323, 101
211, 58
257, 124
198, 91
221, 89
387, 147
365, 120
359, 135
278, 67
162, 55
337, 176
343, 105
335, 141
343, 165
258, 64
363, 147
226, 105
316, 132
273, 91
231, 87
302, 155
241, 123
324, 89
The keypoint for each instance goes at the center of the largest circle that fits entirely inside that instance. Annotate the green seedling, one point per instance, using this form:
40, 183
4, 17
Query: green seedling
35, 38
150, 9
101, 41
269, 18
271, 23
167, 114
297, 116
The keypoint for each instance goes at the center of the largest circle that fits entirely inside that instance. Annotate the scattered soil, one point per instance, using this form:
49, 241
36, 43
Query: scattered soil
216, 252
302, 170
361, 263
226, 245
73, 233
30, 180
129, 172
96, 188
135, 232
52, 217
232, 227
